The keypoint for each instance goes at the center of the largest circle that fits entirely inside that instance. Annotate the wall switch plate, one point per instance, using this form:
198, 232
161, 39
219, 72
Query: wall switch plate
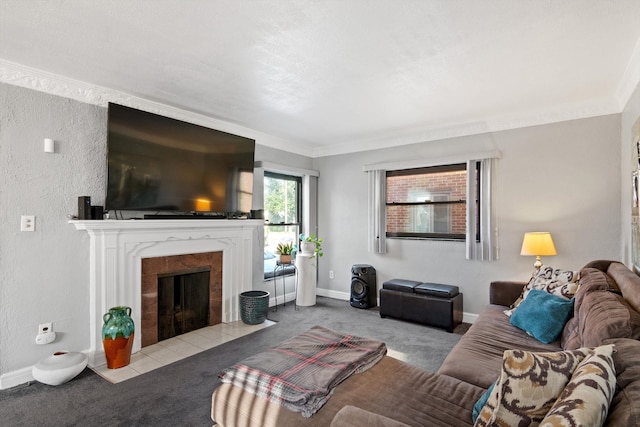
331, 275
27, 223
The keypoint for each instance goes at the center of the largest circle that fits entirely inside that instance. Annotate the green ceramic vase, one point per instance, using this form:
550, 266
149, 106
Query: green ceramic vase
117, 323
117, 336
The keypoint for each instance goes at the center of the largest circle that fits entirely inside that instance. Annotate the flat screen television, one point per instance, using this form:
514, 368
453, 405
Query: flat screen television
168, 166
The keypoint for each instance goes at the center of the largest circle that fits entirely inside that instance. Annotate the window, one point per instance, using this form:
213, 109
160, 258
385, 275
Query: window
429, 202
283, 216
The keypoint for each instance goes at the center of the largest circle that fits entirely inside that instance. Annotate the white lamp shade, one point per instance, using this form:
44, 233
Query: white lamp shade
538, 243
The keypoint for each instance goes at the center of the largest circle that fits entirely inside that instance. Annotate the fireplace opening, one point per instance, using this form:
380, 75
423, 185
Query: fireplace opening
183, 302
167, 267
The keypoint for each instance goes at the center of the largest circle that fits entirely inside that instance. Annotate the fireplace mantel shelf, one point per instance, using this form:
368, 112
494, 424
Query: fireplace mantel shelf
162, 224
117, 248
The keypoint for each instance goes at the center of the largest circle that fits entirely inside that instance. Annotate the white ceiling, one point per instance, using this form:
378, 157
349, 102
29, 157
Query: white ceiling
333, 76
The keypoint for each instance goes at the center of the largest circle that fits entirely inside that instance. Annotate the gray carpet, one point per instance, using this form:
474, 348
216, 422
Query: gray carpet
180, 393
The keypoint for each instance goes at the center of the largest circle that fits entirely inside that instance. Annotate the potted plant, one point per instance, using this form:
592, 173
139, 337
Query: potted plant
311, 244
285, 250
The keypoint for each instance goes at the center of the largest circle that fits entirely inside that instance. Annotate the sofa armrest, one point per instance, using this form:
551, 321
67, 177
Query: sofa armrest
505, 292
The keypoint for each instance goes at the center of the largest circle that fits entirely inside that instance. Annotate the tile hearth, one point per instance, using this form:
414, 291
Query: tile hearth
178, 348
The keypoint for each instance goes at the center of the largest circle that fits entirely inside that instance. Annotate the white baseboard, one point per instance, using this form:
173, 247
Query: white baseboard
345, 296
469, 317
24, 375
14, 378
290, 297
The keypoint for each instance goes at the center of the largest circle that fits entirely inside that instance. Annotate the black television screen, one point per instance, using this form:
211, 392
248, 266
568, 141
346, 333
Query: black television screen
156, 163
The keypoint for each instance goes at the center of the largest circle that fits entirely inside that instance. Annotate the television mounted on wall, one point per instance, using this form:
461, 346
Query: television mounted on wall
168, 166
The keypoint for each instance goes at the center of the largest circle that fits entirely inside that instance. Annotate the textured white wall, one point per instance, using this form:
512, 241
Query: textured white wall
44, 274
563, 178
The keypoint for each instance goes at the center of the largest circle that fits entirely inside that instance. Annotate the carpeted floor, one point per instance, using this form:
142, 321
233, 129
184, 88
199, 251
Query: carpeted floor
180, 393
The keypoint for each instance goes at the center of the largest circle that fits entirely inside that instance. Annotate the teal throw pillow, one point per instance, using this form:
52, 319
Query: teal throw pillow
542, 315
481, 402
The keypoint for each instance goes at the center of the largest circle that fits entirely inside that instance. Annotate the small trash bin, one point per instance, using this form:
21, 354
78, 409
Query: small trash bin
254, 306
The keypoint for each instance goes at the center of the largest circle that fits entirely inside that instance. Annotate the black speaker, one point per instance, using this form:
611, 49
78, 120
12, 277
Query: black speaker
97, 212
84, 207
363, 286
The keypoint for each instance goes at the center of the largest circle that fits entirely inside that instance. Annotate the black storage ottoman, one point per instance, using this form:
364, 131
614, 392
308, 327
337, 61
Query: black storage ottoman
431, 304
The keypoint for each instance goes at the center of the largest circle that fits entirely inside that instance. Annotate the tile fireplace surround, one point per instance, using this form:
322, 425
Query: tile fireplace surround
118, 247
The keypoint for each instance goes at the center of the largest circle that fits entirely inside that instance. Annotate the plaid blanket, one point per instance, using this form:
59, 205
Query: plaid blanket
302, 372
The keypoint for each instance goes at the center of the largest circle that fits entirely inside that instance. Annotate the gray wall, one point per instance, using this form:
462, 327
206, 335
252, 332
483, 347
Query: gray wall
44, 275
563, 178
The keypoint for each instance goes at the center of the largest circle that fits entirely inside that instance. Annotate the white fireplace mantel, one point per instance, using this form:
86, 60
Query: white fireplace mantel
117, 250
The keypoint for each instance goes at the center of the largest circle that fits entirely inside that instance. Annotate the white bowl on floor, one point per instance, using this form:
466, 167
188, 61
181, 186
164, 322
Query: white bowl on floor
60, 367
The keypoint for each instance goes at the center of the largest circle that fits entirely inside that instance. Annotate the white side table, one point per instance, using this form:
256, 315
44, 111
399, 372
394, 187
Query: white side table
307, 280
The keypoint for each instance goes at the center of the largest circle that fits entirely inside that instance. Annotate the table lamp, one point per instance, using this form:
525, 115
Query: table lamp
538, 244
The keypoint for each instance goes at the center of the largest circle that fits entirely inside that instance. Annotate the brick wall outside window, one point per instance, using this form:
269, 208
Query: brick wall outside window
407, 188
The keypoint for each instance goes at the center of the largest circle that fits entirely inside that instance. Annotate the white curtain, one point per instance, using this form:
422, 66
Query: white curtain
309, 205
377, 227
485, 249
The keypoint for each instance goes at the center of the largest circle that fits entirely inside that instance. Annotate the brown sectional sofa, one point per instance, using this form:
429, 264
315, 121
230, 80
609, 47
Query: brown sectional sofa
394, 393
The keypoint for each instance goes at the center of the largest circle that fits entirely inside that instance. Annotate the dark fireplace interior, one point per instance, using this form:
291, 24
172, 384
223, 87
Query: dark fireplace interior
183, 302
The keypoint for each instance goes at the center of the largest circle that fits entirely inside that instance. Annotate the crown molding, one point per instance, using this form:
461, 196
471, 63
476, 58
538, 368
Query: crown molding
594, 108
55, 84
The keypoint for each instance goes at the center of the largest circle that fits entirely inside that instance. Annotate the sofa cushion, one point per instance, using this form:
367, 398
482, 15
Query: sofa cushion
352, 416
591, 279
628, 282
394, 388
624, 409
528, 385
600, 264
484, 343
570, 338
586, 398
606, 315
543, 315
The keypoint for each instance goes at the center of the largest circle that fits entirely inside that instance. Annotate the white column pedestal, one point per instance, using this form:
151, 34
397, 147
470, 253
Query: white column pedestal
307, 280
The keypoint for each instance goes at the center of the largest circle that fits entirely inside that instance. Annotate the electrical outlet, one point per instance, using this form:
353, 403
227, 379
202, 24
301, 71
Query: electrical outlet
331, 275
43, 328
27, 223
45, 334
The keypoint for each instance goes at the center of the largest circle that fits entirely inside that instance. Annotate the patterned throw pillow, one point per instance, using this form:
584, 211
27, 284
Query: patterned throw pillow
528, 386
563, 283
585, 400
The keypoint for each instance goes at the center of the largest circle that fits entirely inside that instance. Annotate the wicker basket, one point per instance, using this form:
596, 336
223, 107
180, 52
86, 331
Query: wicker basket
254, 306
